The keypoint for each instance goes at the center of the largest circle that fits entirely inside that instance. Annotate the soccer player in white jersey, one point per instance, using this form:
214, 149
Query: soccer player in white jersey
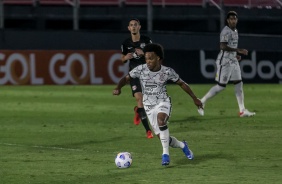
228, 68
153, 78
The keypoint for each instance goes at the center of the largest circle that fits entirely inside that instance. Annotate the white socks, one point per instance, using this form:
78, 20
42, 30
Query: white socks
176, 143
164, 137
240, 95
212, 92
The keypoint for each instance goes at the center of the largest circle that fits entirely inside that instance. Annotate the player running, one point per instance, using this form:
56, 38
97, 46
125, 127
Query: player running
228, 68
153, 78
132, 51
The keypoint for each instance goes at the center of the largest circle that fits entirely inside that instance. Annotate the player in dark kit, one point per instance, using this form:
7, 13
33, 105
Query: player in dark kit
132, 52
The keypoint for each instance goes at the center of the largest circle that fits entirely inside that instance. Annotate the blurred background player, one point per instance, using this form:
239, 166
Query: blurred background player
228, 68
154, 77
132, 51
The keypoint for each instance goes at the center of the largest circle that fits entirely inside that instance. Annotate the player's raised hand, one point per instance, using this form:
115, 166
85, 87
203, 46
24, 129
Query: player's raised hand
242, 51
128, 56
238, 57
116, 92
139, 52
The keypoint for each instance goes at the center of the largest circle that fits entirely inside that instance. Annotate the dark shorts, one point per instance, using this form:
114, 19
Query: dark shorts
135, 86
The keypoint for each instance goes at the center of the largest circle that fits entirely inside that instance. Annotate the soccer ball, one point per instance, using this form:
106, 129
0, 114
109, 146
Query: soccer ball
123, 160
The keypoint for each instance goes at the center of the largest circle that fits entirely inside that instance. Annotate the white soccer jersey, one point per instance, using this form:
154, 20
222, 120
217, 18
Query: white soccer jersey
154, 83
230, 37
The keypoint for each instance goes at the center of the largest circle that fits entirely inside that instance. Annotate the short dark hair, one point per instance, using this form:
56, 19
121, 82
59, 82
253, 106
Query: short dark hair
137, 20
231, 13
156, 48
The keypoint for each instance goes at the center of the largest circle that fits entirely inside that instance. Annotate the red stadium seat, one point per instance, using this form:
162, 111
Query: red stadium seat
100, 2
242, 3
233, 2
265, 3
250, 3
53, 2
82, 2
165, 2
19, 2
182, 2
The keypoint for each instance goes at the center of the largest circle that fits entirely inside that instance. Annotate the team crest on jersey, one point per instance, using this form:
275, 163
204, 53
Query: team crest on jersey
142, 45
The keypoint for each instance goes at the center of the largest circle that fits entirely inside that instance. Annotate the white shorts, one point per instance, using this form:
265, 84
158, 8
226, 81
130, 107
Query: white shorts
228, 72
153, 111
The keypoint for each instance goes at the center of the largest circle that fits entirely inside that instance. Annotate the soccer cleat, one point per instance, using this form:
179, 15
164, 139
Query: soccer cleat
149, 134
165, 159
188, 153
136, 118
246, 113
201, 110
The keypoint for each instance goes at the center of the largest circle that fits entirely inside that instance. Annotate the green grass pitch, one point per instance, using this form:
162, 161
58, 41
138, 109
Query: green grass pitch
71, 134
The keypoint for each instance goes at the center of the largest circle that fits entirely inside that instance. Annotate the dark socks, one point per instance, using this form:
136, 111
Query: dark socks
143, 117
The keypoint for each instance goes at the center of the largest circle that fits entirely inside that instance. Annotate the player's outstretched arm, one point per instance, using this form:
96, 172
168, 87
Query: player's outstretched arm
121, 83
189, 91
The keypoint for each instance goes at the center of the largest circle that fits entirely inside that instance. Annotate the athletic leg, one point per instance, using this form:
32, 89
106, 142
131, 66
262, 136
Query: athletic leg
222, 76
164, 136
140, 114
212, 92
239, 92
238, 87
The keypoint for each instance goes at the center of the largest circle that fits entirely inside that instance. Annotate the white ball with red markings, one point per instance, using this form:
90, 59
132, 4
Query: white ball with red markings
123, 160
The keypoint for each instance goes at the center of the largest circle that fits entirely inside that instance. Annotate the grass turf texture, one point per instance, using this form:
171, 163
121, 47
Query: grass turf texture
71, 134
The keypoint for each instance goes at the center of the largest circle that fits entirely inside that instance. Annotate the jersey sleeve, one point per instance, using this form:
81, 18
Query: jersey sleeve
173, 76
136, 72
224, 36
124, 49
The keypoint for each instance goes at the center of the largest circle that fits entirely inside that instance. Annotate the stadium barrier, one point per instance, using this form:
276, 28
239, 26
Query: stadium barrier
60, 67
97, 67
